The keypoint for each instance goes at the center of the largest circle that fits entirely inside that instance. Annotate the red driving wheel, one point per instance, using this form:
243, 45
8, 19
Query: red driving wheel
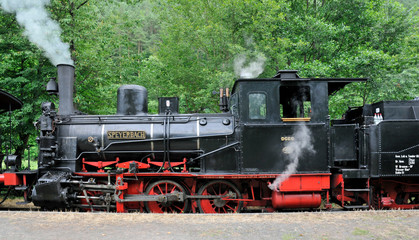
226, 204
164, 187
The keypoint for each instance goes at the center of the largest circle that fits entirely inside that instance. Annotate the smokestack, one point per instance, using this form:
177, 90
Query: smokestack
65, 73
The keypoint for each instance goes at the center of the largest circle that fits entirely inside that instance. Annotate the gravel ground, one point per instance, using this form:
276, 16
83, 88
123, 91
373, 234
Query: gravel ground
302, 225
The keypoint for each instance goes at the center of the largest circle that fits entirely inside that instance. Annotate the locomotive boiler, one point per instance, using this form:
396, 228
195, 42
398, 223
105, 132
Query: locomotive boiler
273, 147
83, 141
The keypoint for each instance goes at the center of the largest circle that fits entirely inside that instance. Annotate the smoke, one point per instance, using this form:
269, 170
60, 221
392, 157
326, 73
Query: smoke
247, 67
250, 63
300, 144
40, 28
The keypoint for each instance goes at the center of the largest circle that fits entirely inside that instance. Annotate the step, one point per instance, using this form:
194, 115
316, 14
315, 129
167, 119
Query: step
353, 207
357, 189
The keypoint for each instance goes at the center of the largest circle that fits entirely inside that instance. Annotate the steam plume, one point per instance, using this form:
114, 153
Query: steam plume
246, 67
40, 28
301, 144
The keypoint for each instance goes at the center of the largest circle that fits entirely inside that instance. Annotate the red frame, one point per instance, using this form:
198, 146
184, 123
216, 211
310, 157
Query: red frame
297, 184
384, 192
12, 179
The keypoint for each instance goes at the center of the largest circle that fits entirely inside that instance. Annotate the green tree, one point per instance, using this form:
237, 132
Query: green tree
109, 42
189, 48
24, 73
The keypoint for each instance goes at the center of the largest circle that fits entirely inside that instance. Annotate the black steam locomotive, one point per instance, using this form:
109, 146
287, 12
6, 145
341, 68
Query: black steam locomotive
273, 147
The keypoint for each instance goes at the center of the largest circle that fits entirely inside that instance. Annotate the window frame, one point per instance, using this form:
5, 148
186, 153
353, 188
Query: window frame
263, 117
308, 91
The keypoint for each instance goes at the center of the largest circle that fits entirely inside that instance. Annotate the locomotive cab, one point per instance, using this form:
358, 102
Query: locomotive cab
272, 113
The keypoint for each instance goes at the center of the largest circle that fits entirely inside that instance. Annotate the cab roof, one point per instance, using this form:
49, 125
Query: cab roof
334, 84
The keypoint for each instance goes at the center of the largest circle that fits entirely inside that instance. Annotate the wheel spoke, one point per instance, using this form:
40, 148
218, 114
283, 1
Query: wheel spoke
214, 192
161, 191
230, 207
180, 209
225, 211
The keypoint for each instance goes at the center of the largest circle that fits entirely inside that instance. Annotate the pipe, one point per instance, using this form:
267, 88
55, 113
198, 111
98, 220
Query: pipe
65, 74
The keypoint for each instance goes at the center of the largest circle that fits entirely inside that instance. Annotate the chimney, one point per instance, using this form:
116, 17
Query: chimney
65, 75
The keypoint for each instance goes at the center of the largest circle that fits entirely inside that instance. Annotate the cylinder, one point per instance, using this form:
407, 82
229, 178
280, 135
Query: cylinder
292, 200
132, 100
65, 74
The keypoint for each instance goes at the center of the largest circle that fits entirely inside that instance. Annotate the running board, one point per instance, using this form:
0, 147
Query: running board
354, 207
357, 189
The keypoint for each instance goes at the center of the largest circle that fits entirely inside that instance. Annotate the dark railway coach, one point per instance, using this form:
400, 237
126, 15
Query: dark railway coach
8, 103
272, 147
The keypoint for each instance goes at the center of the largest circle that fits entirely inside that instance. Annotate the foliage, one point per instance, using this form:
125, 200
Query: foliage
188, 49
24, 73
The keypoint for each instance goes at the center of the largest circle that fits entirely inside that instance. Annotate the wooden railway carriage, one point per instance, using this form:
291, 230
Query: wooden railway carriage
251, 156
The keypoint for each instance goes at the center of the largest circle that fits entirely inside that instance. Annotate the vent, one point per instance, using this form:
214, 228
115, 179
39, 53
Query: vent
287, 74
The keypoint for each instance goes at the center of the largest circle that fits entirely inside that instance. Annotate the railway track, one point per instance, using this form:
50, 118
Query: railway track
17, 204
335, 224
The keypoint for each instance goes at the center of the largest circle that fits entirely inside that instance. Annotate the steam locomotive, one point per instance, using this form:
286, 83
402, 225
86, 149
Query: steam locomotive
226, 162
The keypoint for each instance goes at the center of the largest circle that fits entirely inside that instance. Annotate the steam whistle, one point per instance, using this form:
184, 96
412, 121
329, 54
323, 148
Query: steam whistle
52, 87
224, 97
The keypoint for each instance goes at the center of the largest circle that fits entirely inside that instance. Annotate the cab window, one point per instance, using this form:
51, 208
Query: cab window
295, 103
257, 106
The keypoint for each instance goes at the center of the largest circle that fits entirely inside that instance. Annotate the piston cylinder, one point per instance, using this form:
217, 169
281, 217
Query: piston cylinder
282, 200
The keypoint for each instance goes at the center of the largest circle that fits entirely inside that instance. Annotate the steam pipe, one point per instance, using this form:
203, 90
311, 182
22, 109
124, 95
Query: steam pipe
65, 74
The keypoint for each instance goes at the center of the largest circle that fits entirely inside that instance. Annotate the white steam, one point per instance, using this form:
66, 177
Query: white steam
246, 67
40, 28
302, 143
